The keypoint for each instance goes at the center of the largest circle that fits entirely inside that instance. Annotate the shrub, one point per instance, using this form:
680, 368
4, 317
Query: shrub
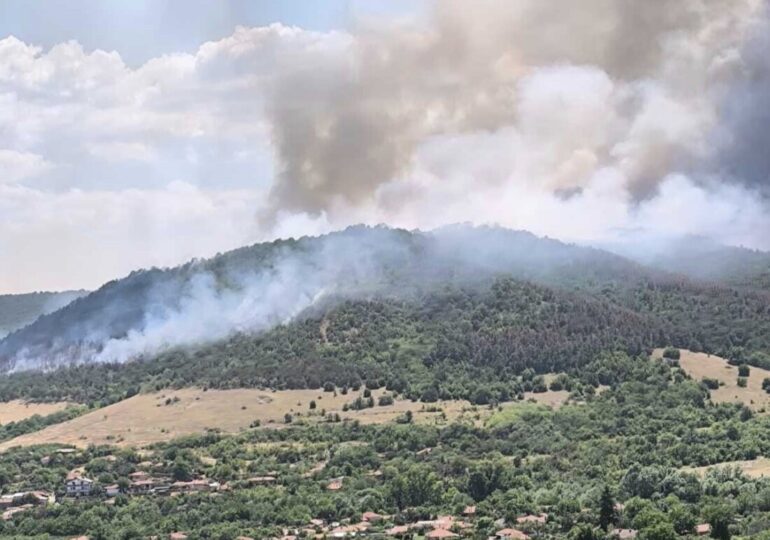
671, 353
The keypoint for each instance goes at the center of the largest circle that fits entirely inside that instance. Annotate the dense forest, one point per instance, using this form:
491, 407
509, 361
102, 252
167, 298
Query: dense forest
461, 342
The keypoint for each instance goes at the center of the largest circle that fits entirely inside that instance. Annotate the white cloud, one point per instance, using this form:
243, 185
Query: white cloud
468, 115
84, 238
122, 151
16, 166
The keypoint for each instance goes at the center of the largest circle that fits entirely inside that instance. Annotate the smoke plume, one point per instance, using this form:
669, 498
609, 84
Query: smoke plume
570, 107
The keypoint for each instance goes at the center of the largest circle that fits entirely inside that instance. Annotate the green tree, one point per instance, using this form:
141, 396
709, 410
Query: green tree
607, 514
719, 516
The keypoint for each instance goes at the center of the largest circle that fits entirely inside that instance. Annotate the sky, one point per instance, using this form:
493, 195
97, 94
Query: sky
145, 133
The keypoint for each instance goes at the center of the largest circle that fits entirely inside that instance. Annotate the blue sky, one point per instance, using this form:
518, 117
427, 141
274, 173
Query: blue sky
142, 29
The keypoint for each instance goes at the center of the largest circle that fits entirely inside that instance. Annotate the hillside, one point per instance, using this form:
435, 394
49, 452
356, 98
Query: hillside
19, 310
253, 289
449, 314
706, 260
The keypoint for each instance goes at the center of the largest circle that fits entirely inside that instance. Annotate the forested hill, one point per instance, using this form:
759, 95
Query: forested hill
19, 310
448, 312
255, 288
705, 260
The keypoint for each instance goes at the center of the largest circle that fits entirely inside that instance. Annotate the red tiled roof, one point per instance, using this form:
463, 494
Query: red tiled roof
512, 533
441, 533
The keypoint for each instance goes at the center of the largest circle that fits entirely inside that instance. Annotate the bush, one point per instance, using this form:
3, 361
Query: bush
711, 384
743, 370
671, 353
385, 400
742, 382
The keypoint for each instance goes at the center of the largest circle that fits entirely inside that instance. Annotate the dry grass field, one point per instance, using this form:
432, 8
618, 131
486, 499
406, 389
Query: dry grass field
755, 468
13, 411
699, 365
149, 418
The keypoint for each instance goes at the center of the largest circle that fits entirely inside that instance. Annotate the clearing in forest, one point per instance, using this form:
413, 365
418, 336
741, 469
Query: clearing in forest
148, 418
754, 468
700, 365
13, 411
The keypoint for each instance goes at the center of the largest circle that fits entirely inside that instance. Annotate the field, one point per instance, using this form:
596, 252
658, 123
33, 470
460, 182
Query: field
755, 468
13, 411
700, 365
148, 418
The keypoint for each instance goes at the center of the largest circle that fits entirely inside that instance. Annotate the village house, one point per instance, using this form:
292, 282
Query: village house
194, 486
530, 518
372, 517
703, 529
77, 485
441, 533
469, 511
335, 485
511, 534
141, 487
112, 490
35, 498
398, 531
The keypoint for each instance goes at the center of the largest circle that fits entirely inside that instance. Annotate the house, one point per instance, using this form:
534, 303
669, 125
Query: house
138, 476
112, 490
469, 511
346, 531
624, 534
441, 533
35, 498
177, 536
398, 530
530, 518
77, 485
334, 485
511, 534
141, 487
372, 517
702, 529
194, 485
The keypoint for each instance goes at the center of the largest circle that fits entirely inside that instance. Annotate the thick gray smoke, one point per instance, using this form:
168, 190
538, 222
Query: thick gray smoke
526, 102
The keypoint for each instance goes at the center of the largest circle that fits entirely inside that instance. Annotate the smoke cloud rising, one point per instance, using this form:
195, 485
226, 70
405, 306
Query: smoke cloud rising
589, 121
599, 121
604, 113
